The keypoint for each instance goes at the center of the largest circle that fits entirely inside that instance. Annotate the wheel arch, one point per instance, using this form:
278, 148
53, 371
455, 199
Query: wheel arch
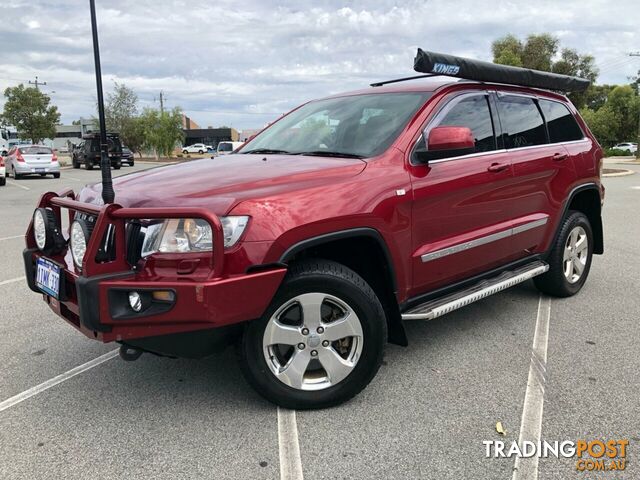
586, 199
363, 250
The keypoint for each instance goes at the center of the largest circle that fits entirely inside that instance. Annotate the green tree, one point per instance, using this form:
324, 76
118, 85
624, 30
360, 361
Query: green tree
120, 113
162, 130
538, 52
617, 119
30, 112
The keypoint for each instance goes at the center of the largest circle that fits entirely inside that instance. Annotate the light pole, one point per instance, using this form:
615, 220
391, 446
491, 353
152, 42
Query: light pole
108, 195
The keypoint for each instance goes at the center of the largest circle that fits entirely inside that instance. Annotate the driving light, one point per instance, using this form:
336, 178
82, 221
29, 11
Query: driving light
46, 233
135, 302
183, 235
78, 241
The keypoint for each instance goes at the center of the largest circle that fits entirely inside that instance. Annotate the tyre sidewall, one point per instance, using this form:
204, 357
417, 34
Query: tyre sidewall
373, 329
574, 220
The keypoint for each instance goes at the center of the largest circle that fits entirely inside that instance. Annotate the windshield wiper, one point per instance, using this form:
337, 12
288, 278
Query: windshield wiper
329, 153
267, 150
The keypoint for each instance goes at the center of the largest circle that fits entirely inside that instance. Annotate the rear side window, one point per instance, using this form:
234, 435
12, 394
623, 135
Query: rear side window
473, 112
561, 124
522, 124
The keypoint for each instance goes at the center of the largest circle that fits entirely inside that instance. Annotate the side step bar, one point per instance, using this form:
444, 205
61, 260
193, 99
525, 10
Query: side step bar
438, 307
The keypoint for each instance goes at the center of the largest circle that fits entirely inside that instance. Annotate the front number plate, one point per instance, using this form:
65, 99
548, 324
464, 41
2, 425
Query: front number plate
48, 277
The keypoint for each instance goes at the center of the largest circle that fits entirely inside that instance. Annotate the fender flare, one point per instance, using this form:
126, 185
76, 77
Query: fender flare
597, 228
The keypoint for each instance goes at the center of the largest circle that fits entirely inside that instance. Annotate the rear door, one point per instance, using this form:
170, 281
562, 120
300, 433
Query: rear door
461, 208
543, 171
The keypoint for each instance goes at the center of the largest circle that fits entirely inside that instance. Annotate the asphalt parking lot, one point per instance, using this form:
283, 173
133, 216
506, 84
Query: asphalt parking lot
424, 416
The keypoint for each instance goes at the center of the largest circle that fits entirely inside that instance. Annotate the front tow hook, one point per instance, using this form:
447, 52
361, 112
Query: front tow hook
129, 354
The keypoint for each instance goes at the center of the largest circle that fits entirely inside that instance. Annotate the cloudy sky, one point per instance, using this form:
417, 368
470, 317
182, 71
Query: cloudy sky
242, 63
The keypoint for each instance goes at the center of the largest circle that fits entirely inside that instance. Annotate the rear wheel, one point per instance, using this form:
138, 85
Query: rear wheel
16, 176
321, 340
570, 258
75, 163
185, 151
3, 181
117, 165
56, 175
88, 164
200, 152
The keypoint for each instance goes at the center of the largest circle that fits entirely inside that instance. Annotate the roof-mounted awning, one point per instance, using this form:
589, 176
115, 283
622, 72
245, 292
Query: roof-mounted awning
452, 66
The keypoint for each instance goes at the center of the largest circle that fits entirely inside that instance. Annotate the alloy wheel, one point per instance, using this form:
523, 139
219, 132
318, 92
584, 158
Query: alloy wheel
576, 254
313, 341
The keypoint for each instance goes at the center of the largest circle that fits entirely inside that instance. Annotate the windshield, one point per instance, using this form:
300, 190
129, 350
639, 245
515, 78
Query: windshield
357, 125
225, 147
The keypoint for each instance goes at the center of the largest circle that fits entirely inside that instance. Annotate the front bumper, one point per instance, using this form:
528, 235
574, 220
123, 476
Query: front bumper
95, 300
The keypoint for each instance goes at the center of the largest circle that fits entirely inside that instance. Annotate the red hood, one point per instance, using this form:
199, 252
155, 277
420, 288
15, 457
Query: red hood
221, 183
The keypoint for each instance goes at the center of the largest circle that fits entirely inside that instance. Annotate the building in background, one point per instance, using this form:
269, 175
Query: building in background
210, 136
248, 133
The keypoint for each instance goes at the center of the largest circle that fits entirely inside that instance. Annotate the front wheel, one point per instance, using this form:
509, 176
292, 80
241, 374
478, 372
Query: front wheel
569, 259
321, 340
88, 165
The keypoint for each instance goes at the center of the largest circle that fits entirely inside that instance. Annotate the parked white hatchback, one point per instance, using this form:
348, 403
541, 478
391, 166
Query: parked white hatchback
630, 147
197, 148
32, 160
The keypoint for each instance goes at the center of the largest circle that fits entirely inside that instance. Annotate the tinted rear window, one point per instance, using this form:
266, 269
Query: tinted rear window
35, 151
562, 126
522, 124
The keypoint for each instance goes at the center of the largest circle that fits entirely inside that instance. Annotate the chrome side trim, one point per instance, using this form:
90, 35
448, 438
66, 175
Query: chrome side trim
441, 306
461, 247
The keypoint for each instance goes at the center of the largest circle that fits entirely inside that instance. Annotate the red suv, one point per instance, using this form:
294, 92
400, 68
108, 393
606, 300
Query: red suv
310, 245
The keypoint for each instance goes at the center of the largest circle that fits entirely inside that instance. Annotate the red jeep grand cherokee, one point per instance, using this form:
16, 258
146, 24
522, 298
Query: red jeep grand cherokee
310, 245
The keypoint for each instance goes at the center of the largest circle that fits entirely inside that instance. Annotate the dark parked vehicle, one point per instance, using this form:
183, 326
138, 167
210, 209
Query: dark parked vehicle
311, 244
87, 152
127, 157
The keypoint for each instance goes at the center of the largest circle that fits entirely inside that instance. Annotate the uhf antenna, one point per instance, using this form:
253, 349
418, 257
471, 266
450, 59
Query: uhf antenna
108, 195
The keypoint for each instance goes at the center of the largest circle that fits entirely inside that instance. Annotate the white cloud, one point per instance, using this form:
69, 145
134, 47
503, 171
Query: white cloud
242, 63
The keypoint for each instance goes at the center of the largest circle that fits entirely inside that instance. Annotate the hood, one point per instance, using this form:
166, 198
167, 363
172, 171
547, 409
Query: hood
221, 183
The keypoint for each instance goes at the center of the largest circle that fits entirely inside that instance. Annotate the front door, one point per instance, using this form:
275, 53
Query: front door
461, 205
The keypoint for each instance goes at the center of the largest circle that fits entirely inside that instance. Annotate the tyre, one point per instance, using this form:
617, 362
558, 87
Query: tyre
56, 175
200, 152
117, 165
569, 259
3, 181
321, 340
131, 163
75, 163
16, 176
185, 151
88, 165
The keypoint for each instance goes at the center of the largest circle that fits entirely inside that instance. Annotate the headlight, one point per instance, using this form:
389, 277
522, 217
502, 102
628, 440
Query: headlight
181, 235
78, 241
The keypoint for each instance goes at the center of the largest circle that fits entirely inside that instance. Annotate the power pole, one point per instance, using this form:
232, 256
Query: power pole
161, 102
637, 54
36, 83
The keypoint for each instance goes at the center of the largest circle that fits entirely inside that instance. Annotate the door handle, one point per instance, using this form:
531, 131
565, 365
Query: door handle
560, 156
497, 167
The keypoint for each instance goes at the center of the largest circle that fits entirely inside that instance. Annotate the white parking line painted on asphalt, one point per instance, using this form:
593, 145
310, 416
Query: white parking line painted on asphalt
12, 280
74, 179
21, 397
290, 462
531, 423
17, 185
11, 238
636, 187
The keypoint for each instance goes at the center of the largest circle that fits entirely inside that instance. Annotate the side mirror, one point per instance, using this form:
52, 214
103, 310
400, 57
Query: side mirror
445, 142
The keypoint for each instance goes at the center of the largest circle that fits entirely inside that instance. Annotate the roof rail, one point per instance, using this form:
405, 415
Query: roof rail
404, 79
452, 66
